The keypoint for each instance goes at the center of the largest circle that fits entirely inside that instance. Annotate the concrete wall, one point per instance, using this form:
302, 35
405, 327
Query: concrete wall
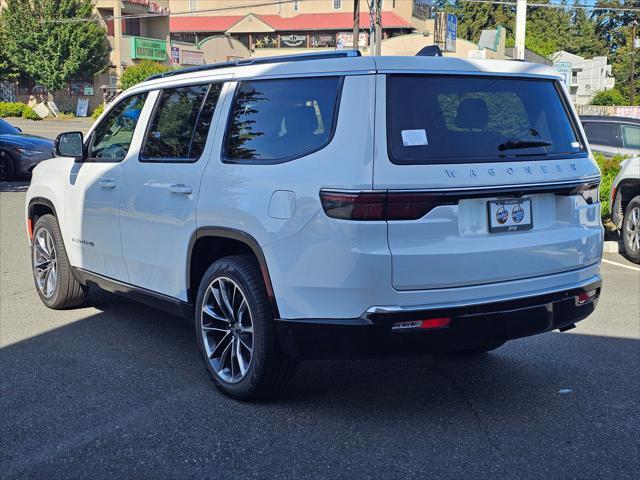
621, 111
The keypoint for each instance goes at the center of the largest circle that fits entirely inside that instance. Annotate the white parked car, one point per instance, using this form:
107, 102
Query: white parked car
625, 206
329, 205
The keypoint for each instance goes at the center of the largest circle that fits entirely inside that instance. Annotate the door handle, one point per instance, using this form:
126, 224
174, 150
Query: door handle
108, 183
181, 188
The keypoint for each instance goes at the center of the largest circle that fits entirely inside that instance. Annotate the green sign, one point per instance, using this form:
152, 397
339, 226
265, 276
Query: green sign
148, 48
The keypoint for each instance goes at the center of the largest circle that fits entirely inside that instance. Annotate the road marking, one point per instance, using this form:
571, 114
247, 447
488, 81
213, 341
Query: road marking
610, 262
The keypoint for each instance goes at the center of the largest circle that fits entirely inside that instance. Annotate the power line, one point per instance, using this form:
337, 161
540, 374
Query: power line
280, 2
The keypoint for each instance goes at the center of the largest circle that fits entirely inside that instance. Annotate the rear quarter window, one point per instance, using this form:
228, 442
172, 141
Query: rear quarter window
273, 121
441, 119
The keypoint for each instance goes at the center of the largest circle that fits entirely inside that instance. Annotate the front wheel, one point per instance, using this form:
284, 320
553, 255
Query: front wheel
6, 167
631, 230
235, 331
55, 283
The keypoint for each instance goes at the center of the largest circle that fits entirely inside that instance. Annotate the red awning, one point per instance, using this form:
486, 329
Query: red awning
304, 21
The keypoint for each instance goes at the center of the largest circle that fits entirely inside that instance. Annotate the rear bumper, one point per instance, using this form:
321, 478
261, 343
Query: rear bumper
372, 336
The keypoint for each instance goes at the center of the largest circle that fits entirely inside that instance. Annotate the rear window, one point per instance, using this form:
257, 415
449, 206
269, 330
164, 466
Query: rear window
279, 120
465, 119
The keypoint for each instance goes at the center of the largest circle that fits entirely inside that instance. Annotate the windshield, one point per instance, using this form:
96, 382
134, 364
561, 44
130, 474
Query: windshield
464, 119
7, 129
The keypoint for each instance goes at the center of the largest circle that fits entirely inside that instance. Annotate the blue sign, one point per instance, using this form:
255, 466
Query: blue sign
452, 33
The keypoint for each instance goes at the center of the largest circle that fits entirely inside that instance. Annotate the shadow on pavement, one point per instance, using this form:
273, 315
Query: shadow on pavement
123, 393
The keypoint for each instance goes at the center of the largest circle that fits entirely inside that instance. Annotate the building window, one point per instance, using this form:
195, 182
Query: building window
193, 5
296, 5
337, 4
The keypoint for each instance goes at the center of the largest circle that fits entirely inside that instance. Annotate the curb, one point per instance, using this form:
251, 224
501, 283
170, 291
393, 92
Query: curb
611, 247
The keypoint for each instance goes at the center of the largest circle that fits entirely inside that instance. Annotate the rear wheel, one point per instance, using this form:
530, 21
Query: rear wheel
479, 350
631, 230
55, 283
6, 167
235, 331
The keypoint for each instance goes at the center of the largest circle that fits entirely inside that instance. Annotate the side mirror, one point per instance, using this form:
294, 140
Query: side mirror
19, 129
69, 144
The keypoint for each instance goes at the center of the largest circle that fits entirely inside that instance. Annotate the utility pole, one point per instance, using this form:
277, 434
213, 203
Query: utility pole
632, 87
379, 27
356, 24
375, 29
521, 27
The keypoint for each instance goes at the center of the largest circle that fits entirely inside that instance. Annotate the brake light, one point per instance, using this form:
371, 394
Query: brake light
585, 297
380, 205
428, 324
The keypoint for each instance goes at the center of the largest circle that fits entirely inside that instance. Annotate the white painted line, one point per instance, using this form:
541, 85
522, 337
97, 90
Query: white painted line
635, 269
611, 247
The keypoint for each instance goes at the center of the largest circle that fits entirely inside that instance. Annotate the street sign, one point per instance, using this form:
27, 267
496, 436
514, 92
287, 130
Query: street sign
564, 69
452, 33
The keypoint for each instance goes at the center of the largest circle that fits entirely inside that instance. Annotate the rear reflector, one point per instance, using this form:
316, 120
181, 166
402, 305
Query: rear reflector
585, 297
428, 324
380, 205
30, 228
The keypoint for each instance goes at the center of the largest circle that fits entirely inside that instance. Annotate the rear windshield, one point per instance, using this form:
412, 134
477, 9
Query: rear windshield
464, 119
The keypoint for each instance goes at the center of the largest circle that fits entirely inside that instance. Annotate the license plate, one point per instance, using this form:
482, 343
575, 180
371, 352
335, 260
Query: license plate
510, 215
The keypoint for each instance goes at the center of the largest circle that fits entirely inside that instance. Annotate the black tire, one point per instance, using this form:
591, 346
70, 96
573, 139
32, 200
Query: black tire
269, 370
631, 230
6, 167
68, 292
470, 352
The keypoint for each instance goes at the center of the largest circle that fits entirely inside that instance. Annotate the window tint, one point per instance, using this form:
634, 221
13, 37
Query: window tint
631, 136
180, 123
112, 137
602, 133
275, 120
460, 119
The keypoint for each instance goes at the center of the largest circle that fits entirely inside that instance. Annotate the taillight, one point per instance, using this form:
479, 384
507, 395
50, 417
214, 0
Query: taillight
381, 205
428, 324
585, 297
590, 193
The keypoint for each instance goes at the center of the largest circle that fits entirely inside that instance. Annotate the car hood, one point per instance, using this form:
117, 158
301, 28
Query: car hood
22, 140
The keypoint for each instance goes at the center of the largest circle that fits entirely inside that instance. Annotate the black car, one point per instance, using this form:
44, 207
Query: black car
612, 135
19, 152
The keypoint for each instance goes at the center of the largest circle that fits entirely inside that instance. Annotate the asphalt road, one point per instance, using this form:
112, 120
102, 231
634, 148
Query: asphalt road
117, 389
51, 128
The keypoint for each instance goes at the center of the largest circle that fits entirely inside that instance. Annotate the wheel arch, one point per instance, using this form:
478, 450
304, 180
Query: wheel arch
39, 206
209, 244
626, 190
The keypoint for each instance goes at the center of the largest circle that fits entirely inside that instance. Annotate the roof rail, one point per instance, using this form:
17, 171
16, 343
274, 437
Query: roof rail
260, 61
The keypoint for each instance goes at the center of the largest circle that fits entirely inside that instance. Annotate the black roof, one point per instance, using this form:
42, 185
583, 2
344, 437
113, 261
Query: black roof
608, 118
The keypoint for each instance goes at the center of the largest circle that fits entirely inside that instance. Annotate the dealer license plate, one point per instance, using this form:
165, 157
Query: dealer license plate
510, 215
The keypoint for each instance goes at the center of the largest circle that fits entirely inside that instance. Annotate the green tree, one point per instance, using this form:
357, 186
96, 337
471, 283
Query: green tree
141, 71
586, 41
608, 97
41, 42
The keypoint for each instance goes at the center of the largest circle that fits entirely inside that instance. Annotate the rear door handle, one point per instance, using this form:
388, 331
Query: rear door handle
180, 188
108, 183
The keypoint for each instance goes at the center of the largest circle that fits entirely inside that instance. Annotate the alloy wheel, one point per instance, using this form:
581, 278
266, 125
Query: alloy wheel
631, 231
45, 263
227, 329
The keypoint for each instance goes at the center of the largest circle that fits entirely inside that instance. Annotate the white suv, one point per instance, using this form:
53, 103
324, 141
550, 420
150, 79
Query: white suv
331, 205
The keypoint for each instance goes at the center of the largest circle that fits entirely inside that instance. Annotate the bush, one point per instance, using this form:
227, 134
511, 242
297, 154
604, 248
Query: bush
608, 98
98, 111
29, 114
17, 109
11, 109
139, 72
609, 167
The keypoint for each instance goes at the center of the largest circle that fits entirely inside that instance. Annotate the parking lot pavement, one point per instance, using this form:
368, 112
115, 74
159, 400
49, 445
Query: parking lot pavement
52, 128
117, 389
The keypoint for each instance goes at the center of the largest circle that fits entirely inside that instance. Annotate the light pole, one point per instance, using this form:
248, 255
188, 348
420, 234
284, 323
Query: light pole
521, 27
632, 87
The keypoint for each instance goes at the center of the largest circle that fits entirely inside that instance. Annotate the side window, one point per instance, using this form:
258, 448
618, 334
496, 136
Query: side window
278, 120
178, 129
631, 136
602, 133
111, 139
